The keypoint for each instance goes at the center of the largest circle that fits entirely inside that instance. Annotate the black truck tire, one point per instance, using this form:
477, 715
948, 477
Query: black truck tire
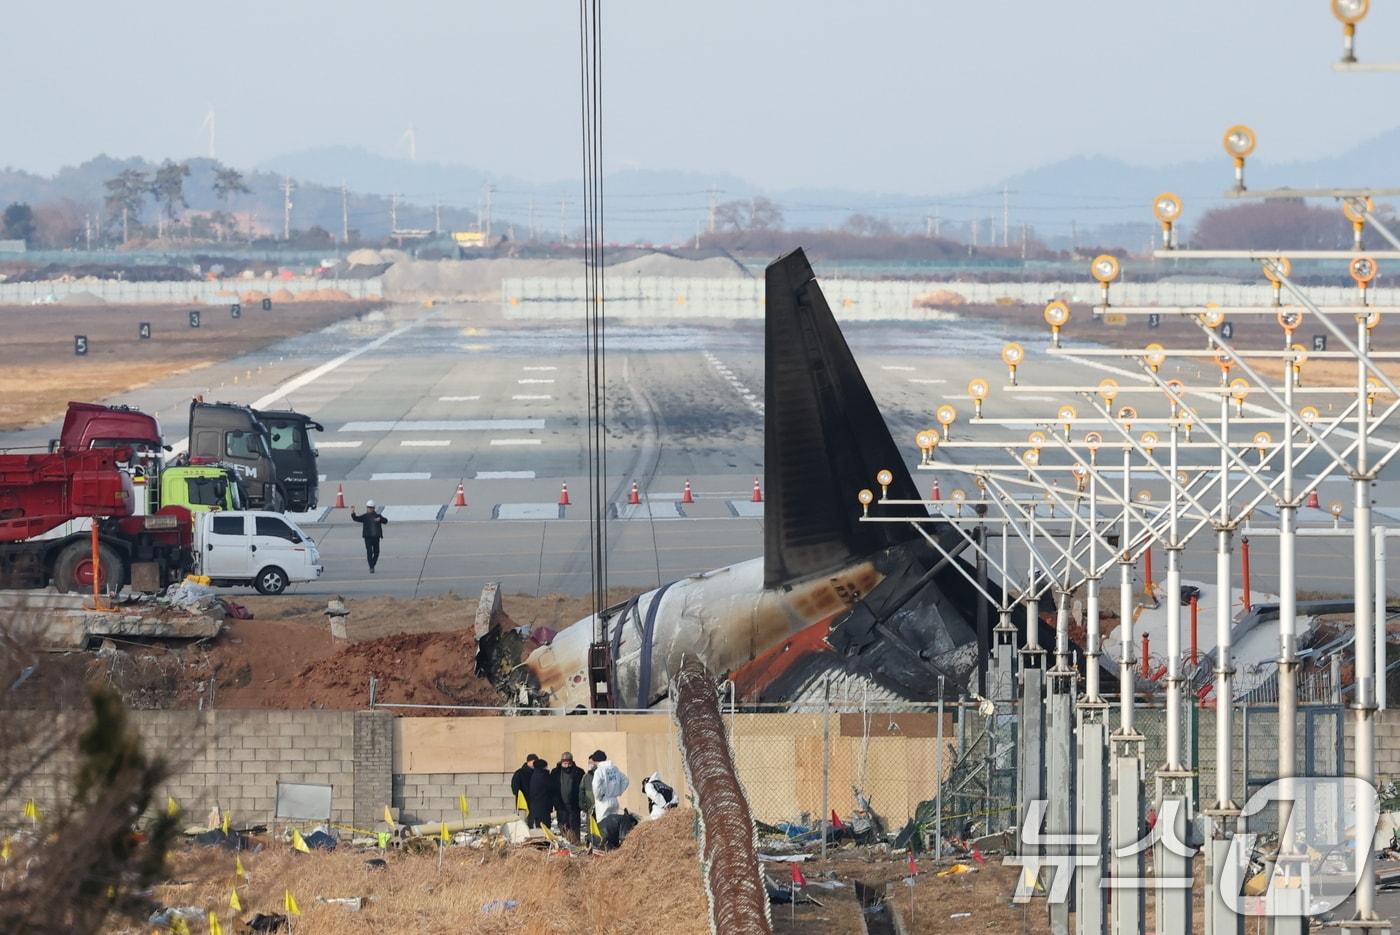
271, 580
72, 570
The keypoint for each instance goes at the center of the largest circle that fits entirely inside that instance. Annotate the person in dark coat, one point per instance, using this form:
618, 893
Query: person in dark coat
520, 779
540, 796
372, 528
568, 782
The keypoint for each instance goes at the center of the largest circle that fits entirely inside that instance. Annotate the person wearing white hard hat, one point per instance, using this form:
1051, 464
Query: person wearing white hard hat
372, 527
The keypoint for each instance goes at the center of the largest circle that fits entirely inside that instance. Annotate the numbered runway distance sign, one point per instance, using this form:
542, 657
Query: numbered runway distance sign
143, 331
80, 345
194, 319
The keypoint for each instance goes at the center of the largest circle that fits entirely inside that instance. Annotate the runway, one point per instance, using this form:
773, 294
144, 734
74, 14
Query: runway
416, 400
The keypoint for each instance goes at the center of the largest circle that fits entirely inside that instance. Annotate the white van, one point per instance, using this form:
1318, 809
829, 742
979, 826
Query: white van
254, 547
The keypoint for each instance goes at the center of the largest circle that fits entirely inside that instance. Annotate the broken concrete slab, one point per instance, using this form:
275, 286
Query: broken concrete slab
488, 609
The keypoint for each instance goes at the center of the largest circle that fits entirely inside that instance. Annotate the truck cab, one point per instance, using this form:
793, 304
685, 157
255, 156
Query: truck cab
257, 548
294, 453
234, 435
200, 488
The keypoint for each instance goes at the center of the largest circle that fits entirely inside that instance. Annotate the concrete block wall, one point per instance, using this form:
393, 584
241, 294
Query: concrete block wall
234, 759
423, 797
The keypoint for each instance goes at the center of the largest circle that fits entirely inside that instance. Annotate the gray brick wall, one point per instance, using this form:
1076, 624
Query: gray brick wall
234, 759
423, 797
373, 766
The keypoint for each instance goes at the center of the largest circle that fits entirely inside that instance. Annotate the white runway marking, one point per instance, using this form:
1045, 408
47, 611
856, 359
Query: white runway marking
540, 368
528, 380
753, 400
405, 475
437, 425
425, 443
458, 399
927, 380
896, 367
324, 445
516, 441
536, 396
505, 475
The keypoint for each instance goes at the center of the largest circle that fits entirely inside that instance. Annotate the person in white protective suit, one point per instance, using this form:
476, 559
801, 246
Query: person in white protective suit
661, 796
609, 783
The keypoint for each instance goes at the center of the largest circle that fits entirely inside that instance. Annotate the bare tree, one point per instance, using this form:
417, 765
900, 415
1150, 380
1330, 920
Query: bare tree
227, 183
125, 195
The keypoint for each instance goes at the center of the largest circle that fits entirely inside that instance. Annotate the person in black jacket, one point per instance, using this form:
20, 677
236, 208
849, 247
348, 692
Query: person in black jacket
520, 779
540, 795
568, 781
372, 528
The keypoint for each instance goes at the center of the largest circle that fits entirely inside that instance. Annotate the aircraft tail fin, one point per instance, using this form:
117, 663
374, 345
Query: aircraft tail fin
824, 436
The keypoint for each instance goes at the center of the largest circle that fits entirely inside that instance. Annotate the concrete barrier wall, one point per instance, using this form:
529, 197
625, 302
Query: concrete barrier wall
193, 293
656, 297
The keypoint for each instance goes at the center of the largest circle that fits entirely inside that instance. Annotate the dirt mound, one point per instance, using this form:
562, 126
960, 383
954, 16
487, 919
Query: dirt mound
283, 295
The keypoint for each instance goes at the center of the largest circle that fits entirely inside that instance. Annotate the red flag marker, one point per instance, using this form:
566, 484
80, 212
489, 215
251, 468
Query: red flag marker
797, 878
836, 821
977, 854
913, 865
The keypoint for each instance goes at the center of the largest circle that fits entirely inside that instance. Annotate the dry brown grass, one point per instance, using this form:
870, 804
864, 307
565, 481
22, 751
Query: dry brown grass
651, 885
39, 372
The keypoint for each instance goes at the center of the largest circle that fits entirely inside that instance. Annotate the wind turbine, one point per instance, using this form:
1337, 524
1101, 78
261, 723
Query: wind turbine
208, 124
411, 138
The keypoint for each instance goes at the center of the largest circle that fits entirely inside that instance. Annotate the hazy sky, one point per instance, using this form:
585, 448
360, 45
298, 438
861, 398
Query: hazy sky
924, 96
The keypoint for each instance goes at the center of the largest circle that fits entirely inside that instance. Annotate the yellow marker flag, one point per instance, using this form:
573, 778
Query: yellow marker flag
238, 870
520, 804
5, 850
31, 811
462, 805
446, 838
299, 843
289, 904
549, 835
172, 808
388, 817
179, 926
226, 824
214, 927
234, 902
593, 828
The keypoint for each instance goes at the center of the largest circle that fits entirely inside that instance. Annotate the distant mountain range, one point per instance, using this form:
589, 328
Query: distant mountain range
1086, 199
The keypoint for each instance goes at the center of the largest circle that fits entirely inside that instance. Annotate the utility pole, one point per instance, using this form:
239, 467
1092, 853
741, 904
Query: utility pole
1073, 236
1025, 235
1005, 216
532, 219
124, 213
393, 214
714, 203
87, 230
563, 234
437, 218
286, 207
928, 225
490, 190
344, 215
974, 232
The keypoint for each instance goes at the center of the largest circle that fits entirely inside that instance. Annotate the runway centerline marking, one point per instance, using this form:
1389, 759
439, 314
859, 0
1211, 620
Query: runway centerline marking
516, 441
539, 368
401, 475
534, 396
324, 445
505, 475
458, 399
896, 367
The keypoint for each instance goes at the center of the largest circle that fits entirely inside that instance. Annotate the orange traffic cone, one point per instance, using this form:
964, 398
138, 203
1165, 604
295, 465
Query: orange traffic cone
686, 495
936, 494
339, 496
634, 497
757, 493
564, 495
461, 498
1313, 501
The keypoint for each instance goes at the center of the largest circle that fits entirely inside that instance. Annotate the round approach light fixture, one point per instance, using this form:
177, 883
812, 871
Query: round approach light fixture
1355, 210
1013, 355
1309, 415
1155, 355
1239, 142
1276, 268
1037, 439
1030, 457
1212, 317
1066, 414
1093, 441
1351, 12
1143, 495
884, 477
1056, 316
978, 389
945, 415
1127, 415
1149, 441
1108, 389
927, 440
1363, 269
1105, 268
1289, 319
865, 498
1167, 208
